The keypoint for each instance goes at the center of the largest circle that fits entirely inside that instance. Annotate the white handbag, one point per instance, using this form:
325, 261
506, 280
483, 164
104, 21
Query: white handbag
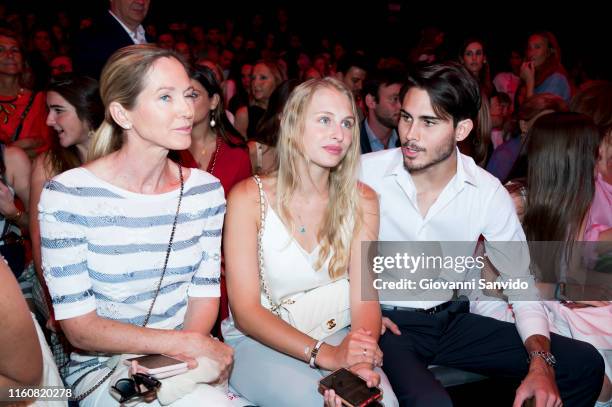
318, 312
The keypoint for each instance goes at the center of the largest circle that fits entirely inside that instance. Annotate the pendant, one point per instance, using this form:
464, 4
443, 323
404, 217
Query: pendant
302, 229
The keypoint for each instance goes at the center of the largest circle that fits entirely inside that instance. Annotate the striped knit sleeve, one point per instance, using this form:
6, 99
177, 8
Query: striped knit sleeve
64, 253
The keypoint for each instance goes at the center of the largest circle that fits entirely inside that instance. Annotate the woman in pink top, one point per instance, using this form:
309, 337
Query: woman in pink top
595, 100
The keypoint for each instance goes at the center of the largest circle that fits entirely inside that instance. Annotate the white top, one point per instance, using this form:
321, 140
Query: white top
138, 36
103, 250
473, 203
288, 268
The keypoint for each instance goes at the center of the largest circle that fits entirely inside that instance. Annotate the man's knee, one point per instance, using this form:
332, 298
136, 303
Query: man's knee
587, 362
583, 371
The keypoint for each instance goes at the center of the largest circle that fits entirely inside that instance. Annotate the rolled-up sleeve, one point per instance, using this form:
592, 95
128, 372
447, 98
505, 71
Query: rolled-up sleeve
508, 251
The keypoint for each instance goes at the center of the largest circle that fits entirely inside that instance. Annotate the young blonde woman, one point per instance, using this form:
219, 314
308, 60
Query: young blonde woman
315, 216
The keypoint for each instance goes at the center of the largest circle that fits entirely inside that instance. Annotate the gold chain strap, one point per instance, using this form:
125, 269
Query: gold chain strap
260, 256
146, 321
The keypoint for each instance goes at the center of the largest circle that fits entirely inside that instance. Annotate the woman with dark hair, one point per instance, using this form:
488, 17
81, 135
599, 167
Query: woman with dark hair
216, 146
562, 149
474, 58
75, 111
542, 71
262, 148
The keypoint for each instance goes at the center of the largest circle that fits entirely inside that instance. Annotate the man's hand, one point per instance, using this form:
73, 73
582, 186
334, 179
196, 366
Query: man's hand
390, 325
539, 383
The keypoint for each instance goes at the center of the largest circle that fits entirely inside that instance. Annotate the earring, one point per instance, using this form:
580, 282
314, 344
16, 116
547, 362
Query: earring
128, 127
213, 123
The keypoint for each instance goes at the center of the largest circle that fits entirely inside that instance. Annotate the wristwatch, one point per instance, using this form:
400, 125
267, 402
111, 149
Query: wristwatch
546, 356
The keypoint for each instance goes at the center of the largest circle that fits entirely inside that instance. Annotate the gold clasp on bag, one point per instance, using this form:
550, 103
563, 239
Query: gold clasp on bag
331, 324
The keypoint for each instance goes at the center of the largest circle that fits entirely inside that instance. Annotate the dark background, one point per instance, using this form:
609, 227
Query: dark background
384, 28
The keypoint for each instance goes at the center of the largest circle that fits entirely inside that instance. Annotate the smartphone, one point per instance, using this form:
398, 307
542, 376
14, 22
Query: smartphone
159, 366
352, 389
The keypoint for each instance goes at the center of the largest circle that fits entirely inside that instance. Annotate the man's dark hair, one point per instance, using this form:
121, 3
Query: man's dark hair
352, 60
453, 91
382, 77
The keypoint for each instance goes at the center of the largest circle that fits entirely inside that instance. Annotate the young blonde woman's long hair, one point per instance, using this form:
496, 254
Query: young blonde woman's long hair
342, 217
122, 80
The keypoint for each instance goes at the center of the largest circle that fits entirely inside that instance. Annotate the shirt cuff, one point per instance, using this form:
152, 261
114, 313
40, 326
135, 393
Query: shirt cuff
74, 310
208, 290
531, 319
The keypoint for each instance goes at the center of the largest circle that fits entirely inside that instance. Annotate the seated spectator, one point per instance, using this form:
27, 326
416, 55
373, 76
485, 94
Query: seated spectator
595, 100
378, 131
267, 75
562, 149
141, 238
262, 148
509, 160
508, 81
501, 117
14, 183
309, 218
472, 55
542, 71
22, 111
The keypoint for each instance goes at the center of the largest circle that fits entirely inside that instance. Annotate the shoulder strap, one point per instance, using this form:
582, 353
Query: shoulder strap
22, 117
262, 218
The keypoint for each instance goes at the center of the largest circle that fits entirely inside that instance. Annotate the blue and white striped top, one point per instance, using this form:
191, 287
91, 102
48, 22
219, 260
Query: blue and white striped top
103, 249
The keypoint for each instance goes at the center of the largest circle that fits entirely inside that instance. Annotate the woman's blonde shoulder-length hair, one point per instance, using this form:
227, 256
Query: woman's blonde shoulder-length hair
342, 217
122, 80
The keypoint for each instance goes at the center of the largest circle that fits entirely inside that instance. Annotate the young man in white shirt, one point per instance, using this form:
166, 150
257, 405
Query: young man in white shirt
428, 191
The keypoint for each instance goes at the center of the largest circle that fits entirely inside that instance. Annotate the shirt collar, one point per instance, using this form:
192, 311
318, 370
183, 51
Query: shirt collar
375, 142
137, 36
466, 168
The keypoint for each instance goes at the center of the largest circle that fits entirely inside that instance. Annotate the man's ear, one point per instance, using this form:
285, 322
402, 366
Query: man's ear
339, 76
463, 129
370, 101
120, 115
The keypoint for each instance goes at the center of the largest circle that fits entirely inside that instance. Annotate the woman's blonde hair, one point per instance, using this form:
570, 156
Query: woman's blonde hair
122, 80
342, 217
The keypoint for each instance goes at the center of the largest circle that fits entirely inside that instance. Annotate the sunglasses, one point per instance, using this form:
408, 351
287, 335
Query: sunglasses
139, 385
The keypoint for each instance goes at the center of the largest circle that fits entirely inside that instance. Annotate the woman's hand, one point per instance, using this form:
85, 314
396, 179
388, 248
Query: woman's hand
366, 373
196, 345
357, 347
331, 400
528, 72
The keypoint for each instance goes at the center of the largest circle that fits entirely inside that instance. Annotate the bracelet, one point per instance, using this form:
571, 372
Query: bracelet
313, 354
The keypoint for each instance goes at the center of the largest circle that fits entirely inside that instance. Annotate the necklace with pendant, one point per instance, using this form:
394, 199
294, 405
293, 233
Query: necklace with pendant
302, 227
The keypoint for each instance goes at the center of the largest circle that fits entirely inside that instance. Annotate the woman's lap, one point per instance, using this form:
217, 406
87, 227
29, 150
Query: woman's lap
270, 378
